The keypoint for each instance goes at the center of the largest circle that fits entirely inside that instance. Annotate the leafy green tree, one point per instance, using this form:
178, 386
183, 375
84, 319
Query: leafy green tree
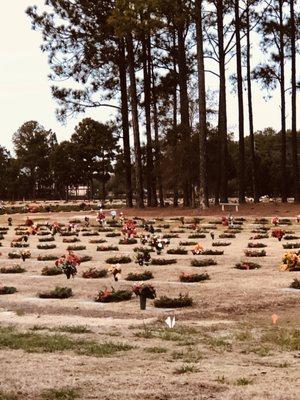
95, 150
33, 145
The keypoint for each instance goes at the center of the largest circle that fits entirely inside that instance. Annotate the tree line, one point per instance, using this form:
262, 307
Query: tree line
150, 60
93, 158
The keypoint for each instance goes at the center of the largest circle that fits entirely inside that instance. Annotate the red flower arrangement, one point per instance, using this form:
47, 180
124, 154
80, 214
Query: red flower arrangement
275, 221
129, 229
224, 221
68, 263
278, 233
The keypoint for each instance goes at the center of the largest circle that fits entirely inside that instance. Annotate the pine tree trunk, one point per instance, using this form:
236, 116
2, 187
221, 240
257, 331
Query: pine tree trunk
202, 107
296, 188
153, 175
240, 103
147, 106
250, 109
283, 106
156, 142
175, 110
135, 123
125, 122
184, 113
222, 120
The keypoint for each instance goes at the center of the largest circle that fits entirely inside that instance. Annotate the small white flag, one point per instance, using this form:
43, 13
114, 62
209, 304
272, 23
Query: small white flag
170, 321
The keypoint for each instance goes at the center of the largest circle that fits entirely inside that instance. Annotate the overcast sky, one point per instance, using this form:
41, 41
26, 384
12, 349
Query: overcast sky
25, 89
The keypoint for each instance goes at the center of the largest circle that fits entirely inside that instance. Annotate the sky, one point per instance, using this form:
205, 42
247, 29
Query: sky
25, 88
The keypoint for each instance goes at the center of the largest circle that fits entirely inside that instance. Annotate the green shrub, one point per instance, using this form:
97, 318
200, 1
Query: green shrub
142, 276
179, 250
118, 260
176, 302
295, 284
76, 248
203, 263
189, 278
15, 269
46, 246
7, 290
163, 261
51, 271
57, 293
107, 248
94, 273
113, 296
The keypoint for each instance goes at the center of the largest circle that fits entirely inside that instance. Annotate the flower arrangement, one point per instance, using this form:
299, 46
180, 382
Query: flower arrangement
247, 265
140, 276
224, 221
116, 272
144, 290
94, 273
129, 229
255, 253
189, 278
158, 244
278, 233
290, 262
143, 258
108, 296
68, 263
203, 263
198, 249
176, 302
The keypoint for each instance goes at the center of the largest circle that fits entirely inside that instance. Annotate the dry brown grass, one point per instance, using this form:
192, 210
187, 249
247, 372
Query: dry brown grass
225, 347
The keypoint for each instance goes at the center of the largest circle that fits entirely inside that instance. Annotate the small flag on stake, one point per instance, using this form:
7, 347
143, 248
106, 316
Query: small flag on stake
170, 321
